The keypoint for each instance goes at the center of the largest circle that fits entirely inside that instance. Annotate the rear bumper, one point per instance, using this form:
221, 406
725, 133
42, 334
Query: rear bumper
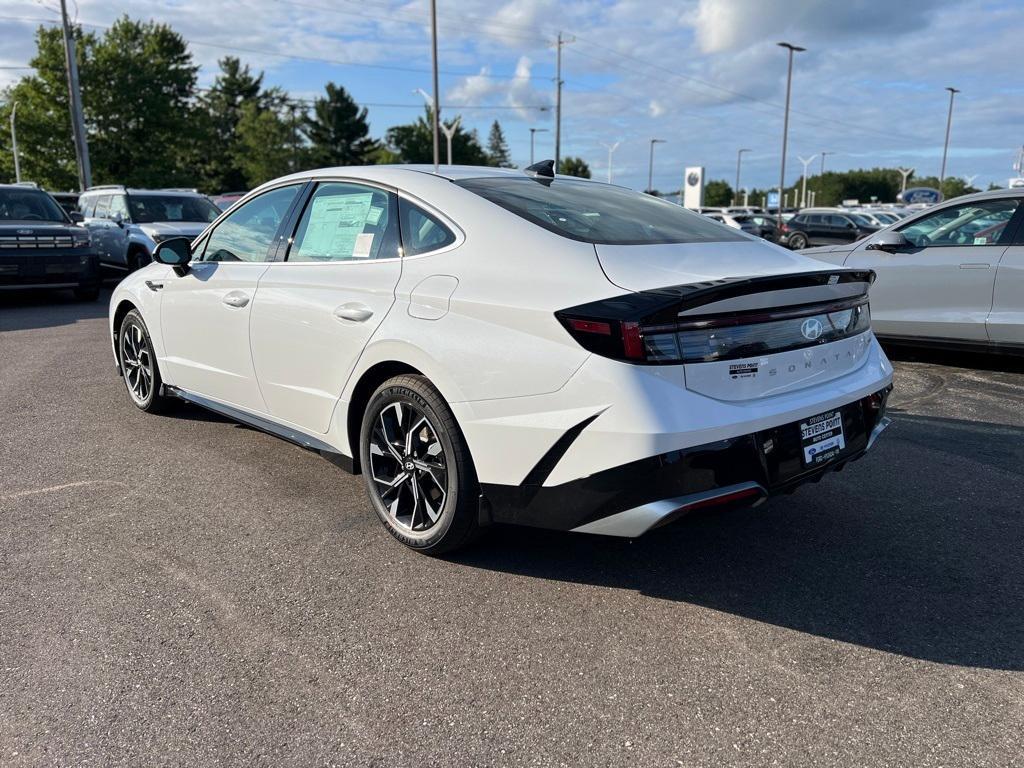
23, 271
630, 499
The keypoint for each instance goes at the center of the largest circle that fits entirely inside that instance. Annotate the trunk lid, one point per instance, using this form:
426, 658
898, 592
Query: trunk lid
647, 267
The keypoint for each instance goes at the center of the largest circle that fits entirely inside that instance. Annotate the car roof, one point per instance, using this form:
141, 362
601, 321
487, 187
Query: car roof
115, 188
394, 173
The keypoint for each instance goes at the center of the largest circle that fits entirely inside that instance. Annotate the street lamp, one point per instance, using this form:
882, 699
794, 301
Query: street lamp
437, 96
611, 149
650, 166
785, 123
532, 132
945, 147
736, 189
803, 179
448, 130
905, 173
14, 143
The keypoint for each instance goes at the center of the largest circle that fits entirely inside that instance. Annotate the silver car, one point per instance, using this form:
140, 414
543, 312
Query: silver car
951, 275
126, 224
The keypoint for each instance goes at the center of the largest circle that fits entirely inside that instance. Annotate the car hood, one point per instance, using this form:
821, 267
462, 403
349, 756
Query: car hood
645, 267
182, 228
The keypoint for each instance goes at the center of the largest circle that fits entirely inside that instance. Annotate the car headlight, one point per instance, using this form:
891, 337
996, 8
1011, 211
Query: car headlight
159, 237
80, 239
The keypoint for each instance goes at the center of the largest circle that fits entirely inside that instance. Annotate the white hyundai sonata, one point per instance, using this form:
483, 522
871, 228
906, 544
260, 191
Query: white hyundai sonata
500, 346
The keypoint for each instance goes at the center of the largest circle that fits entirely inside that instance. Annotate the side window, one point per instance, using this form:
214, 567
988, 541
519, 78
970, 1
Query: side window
118, 205
247, 233
102, 207
811, 220
422, 232
978, 223
87, 205
839, 221
346, 222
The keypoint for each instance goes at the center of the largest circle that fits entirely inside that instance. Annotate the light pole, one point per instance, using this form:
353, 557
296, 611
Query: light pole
650, 166
558, 96
803, 179
532, 132
448, 130
75, 102
821, 174
436, 121
449, 134
736, 189
785, 124
611, 150
945, 147
14, 143
905, 173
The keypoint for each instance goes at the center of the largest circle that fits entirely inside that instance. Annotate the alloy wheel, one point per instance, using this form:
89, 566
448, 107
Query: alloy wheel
137, 361
408, 467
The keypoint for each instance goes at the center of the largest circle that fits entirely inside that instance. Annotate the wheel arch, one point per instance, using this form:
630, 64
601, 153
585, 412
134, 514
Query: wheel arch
124, 306
363, 390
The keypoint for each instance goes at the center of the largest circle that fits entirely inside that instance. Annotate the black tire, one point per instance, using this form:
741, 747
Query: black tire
421, 440
141, 374
797, 242
138, 258
87, 292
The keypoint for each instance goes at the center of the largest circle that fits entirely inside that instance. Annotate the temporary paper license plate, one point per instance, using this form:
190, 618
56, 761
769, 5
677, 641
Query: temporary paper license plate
821, 438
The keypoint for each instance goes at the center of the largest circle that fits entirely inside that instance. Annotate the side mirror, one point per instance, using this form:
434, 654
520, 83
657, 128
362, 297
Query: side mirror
850, 225
175, 252
889, 241
118, 218
76, 217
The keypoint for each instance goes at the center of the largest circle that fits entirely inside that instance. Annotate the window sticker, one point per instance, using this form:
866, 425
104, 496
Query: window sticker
364, 246
335, 224
980, 240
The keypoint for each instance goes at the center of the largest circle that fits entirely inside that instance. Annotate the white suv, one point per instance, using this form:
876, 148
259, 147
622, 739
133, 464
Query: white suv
488, 345
127, 224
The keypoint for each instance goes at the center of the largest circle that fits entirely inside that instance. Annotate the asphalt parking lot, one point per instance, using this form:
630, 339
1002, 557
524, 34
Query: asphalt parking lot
181, 590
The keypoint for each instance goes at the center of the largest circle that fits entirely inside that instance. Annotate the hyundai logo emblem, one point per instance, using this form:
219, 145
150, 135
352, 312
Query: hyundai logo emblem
811, 328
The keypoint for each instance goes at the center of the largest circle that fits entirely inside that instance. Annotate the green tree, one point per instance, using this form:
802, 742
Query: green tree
414, 143
717, 193
574, 166
137, 94
337, 130
497, 147
45, 147
265, 143
220, 109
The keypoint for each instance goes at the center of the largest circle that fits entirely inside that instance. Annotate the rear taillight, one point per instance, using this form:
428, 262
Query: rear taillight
784, 227
664, 328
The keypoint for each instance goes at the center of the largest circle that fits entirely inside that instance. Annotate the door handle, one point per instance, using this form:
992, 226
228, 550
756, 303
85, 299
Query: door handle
974, 265
357, 313
154, 286
236, 299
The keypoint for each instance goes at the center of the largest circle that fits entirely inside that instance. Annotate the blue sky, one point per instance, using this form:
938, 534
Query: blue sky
704, 75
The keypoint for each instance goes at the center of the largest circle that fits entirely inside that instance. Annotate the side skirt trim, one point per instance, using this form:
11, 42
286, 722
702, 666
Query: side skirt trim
292, 435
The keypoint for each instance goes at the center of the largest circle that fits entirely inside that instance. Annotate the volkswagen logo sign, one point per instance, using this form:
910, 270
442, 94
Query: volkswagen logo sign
693, 179
811, 328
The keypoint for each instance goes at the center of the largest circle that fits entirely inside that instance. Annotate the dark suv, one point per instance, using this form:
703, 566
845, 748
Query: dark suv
808, 229
41, 246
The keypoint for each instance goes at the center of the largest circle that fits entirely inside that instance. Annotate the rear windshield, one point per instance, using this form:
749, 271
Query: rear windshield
599, 213
149, 208
29, 205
